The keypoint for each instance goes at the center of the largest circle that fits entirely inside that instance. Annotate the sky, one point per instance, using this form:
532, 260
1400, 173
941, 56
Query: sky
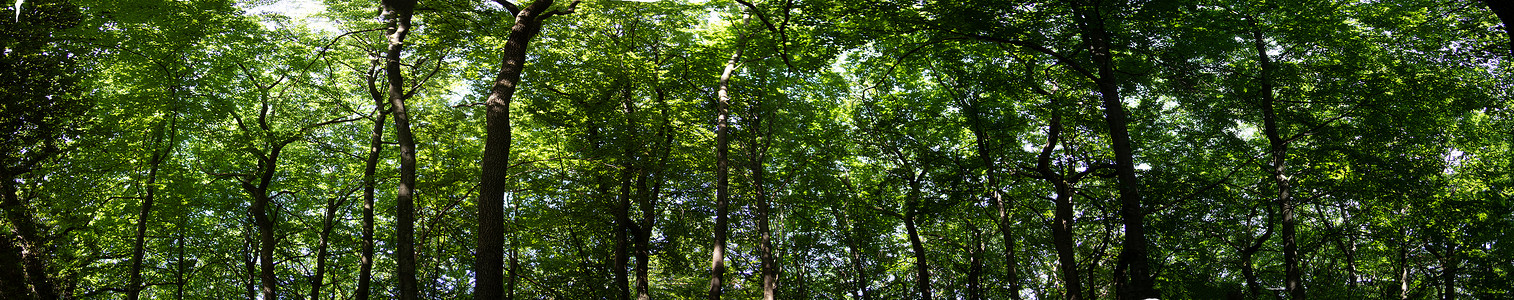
305, 11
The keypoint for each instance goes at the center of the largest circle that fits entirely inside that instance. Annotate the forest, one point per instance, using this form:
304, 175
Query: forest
757, 149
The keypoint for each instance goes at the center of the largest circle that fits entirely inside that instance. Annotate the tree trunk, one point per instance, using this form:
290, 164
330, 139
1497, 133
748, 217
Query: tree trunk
1062, 214
398, 13
321, 248
1278, 148
624, 226
1132, 272
375, 148
922, 268
1450, 266
27, 239
11, 268
139, 245
1403, 272
757, 153
975, 264
722, 180
981, 139
489, 255
649, 202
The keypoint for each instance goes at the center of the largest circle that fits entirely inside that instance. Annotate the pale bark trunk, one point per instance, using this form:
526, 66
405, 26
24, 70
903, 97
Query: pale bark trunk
722, 180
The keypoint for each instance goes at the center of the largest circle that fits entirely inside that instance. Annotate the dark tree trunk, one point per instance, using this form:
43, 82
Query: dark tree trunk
722, 168
489, 255
27, 243
1278, 149
649, 202
975, 264
911, 209
322, 252
628, 169
375, 148
139, 245
267, 167
757, 154
398, 13
1451, 264
982, 140
1132, 273
11, 268
1062, 214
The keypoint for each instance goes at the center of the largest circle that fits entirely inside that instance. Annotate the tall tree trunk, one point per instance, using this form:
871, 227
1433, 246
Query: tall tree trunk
398, 13
262, 219
917, 247
11, 268
1278, 148
628, 169
375, 148
757, 153
1132, 273
722, 168
649, 201
1403, 272
1451, 264
321, 247
489, 255
982, 139
27, 241
1062, 220
139, 245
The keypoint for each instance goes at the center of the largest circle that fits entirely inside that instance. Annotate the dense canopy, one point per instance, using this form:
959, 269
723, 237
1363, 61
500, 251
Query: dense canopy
781, 149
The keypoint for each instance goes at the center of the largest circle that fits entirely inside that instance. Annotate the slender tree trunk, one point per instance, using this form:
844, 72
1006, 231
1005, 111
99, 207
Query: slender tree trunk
375, 148
1132, 272
649, 202
1450, 266
11, 268
1403, 272
757, 153
917, 247
624, 226
982, 140
922, 268
139, 245
489, 255
321, 248
853, 247
1278, 148
398, 13
722, 168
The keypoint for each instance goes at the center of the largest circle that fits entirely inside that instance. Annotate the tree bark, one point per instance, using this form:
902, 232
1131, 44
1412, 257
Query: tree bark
322, 252
756, 154
398, 13
375, 148
1062, 214
1451, 264
489, 255
1278, 149
649, 201
11, 268
628, 169
139, 245
982, 140
912, 206
27, 241
722, 168
1132, 272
